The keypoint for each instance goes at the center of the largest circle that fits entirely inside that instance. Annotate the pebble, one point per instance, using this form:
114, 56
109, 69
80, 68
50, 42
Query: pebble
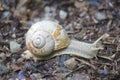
94, 3
26, 54
14, 46
103, 72
63, 14
100, 16
71, 63
3, 70
11, 79
13, 35
6, 14
47, 9
37, 76
80, 35
29, 23
79, 76
79, 4
50, 12
2, 56
20, 75
20, 60
60, 76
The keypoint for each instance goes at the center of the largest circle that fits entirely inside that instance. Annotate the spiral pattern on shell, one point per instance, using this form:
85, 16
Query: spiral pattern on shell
40, 43
38, 40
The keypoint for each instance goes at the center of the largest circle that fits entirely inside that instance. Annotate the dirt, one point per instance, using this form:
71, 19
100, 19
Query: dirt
86, 21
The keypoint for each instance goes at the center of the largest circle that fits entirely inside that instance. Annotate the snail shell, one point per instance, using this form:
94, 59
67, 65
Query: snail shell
46, 36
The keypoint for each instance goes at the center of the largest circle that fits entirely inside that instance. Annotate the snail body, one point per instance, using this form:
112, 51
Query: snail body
47, 39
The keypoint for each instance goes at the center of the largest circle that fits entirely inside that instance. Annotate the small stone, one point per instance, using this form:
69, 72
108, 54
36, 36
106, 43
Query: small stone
79, 76
36, 20
29, 23
78, 4
11, 79
50, 12
27, 54
13, 35
63, 14
2, 56
14, 46
20, 75
103, 72
60, 76
94, 3
80, 35
47, 9
37, 76
71, 63
20, 60
6, 14
100, 16
3, 70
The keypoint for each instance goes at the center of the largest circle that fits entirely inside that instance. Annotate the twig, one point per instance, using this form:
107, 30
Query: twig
84, 62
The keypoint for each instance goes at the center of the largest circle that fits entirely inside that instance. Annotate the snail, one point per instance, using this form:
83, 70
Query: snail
46, 39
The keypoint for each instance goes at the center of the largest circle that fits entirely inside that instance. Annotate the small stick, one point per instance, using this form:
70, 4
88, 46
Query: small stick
84, 62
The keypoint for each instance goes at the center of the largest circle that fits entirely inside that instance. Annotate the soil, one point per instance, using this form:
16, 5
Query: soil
86, 20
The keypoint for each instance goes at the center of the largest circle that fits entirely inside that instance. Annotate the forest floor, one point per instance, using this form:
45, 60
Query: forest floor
84, 20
